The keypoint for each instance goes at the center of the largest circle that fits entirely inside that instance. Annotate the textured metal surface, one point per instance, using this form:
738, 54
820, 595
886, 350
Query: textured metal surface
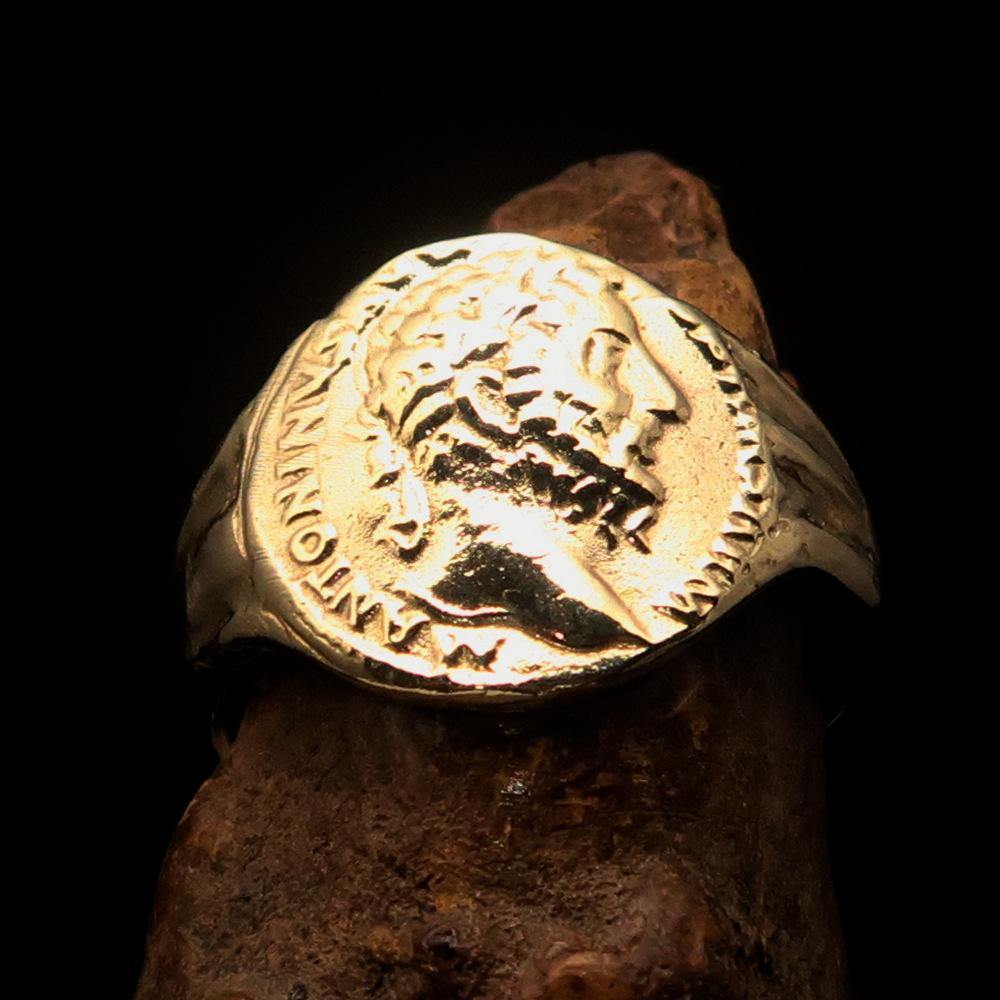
504, 466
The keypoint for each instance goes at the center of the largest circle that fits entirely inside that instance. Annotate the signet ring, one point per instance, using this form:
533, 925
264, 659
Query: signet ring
505, 468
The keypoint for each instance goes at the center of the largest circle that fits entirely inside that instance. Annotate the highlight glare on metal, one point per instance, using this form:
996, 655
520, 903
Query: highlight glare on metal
503, 467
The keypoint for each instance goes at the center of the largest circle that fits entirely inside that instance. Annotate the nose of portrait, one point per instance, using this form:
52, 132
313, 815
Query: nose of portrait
653, 391
646, 390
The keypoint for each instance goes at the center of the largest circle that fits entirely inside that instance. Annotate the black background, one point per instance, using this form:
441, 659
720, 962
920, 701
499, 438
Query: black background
246, 220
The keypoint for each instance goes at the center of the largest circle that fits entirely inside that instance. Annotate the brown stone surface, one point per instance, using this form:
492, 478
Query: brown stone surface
657, 220
665, 839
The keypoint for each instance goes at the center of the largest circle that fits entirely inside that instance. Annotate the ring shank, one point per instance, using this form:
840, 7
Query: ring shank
212, 547
821, 520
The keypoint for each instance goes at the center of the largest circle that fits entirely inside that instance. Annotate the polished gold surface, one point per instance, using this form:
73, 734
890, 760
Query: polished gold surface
503, 466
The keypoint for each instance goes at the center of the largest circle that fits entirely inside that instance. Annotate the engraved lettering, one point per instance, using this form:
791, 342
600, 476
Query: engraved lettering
298, 432
297, 465
346, 592
311, 380
299, 499
312, 543
396, 621
326, 577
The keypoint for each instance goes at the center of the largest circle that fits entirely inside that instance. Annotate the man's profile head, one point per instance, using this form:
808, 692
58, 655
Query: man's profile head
527, 377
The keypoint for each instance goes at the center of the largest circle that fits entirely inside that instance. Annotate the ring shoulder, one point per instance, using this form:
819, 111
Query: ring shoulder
822, 518
210, 546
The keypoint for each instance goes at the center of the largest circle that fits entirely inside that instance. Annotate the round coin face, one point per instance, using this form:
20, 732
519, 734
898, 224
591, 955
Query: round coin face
501, 464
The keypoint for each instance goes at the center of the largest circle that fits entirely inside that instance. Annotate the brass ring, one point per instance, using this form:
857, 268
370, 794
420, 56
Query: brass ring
504, 467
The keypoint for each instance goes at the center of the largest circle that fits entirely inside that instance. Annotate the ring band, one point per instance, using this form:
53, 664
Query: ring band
504, 467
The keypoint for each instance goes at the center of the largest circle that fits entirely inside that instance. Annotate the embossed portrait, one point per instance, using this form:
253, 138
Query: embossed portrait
513, 431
